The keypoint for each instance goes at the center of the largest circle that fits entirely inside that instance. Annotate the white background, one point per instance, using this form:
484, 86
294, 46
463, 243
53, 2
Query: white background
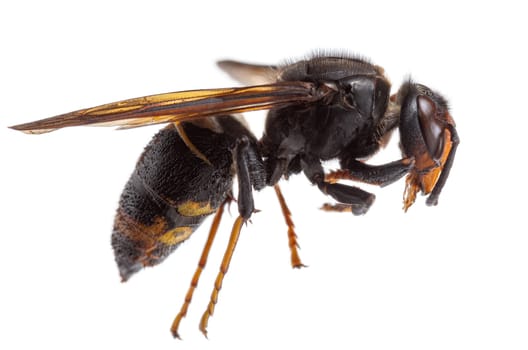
449, 277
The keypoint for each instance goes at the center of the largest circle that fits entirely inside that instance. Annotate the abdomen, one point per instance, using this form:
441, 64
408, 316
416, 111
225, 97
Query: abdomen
169, 194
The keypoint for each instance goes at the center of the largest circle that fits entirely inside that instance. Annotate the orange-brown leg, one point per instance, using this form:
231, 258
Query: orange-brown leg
336, 175
292, 236
198, 272
233, 239
338, 207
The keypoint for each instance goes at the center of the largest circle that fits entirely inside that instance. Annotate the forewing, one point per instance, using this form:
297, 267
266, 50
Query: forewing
181, 106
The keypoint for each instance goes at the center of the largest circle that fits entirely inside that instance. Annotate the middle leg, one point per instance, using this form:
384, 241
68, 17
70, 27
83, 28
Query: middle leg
358, 200
292, 236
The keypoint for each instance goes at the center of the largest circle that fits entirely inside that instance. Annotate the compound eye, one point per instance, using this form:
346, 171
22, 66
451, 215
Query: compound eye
432, 129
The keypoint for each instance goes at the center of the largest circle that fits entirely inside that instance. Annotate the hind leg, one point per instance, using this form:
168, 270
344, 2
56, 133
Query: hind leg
246, 160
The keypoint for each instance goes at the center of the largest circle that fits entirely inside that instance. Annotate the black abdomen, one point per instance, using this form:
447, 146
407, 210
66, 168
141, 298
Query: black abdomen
169, 194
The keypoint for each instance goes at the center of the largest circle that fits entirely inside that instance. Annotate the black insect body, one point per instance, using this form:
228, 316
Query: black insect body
321, 108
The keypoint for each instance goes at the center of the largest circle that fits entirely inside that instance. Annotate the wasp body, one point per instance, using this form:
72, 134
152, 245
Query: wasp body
321, 108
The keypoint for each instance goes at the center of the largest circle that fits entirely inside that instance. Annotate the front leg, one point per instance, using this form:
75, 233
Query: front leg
381, 175
352, 198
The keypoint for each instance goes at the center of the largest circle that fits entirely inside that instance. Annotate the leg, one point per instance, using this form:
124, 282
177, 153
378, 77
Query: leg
199, 269
381, 175
356, 199
340, 208
292, 236
250, 174
244, 159
233, 239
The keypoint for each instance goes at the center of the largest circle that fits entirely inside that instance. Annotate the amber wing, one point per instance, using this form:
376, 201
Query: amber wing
182, 106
